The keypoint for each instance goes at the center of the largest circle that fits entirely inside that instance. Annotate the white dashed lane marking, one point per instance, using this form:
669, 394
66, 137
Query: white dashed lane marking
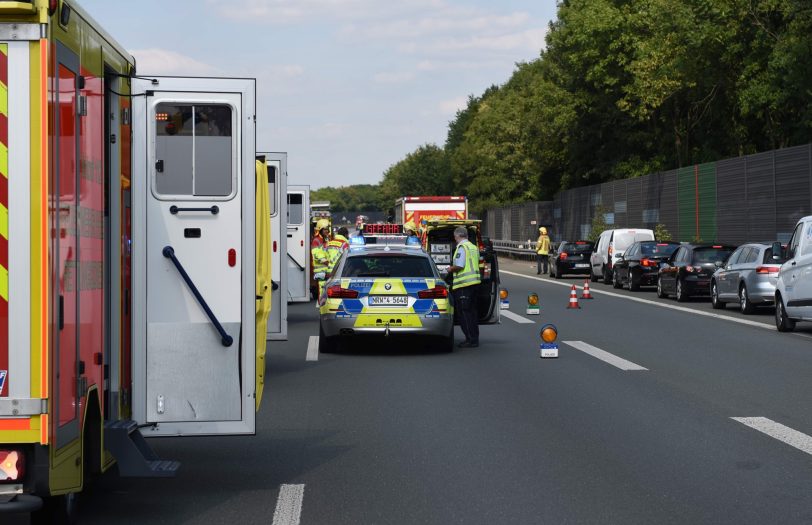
289, 505
313, 348
778, 431
516, 317
604, 356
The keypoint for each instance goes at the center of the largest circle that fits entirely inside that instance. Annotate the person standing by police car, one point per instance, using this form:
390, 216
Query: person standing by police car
465, 271
542, 251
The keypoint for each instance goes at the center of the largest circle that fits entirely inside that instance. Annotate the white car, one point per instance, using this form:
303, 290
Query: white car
610, 246
793, 292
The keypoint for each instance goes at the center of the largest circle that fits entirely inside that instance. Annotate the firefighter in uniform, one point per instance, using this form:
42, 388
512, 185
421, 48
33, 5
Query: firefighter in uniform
411, 233
465, 269
337, 246
318, 251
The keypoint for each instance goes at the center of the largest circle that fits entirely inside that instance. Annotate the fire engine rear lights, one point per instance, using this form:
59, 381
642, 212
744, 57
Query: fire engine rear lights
12, 465
548, 333
337, 292
438, 292
162, 117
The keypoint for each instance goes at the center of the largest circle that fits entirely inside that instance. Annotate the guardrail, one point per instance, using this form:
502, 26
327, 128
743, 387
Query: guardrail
515, 248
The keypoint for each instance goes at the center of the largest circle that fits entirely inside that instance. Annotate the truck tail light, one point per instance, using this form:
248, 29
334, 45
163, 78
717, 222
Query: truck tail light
12, 466
767, 269
438, 292
337, 292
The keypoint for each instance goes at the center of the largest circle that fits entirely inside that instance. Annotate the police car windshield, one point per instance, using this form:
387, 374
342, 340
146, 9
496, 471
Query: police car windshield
387, 266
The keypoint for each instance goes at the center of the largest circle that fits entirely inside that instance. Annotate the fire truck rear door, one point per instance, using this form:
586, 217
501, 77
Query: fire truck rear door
193, 256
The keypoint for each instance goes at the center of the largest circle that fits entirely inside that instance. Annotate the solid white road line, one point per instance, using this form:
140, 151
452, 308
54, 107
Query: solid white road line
289, 505
516, 317
313, 348
648, 301
778, 431
603, 355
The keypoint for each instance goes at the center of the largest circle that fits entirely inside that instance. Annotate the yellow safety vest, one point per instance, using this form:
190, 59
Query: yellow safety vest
335, 248
543, 245
469, 275
321, 262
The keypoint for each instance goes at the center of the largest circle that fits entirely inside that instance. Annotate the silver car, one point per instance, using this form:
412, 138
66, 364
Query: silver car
748, 277
387, 290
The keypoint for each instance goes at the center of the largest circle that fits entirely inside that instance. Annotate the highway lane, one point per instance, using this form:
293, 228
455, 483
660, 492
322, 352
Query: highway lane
390, 433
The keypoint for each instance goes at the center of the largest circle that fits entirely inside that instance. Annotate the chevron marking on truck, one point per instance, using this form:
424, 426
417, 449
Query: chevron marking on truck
4, 218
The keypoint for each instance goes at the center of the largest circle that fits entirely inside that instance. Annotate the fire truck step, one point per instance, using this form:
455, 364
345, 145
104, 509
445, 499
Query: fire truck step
134, 456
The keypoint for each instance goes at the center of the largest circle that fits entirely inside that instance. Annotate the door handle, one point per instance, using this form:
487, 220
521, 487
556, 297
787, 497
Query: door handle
159, 166
174, 209
61, 312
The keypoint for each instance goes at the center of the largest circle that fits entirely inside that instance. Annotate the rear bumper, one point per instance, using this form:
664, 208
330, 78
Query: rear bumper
431, 327
563, 268
762, 293
697, 284
19, 503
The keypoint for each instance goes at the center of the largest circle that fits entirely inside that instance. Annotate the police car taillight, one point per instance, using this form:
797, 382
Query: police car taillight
337, 292
12, 466
438, 292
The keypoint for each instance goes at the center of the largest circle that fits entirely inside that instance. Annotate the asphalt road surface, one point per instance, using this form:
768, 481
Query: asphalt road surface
655, 412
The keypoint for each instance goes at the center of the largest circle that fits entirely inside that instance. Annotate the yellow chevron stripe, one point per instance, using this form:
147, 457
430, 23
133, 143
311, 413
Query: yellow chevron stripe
3, 160
4, 49
3, 283
3, 99
3, 221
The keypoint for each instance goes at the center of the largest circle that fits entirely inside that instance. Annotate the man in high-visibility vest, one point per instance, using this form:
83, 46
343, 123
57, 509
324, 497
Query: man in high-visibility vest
318, 251
465, 270
336, 247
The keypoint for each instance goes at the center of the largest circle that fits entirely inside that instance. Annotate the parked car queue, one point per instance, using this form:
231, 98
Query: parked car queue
755, 274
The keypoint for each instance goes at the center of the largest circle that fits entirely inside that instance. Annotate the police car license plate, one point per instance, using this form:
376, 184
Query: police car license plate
388, 300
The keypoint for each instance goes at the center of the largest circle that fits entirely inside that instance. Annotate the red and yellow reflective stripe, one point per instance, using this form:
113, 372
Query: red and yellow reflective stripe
3, 220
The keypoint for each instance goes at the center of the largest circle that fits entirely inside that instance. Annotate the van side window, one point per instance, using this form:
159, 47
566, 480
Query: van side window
807, 249
793, 242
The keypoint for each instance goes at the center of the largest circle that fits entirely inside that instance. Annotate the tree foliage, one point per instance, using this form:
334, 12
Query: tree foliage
624, 88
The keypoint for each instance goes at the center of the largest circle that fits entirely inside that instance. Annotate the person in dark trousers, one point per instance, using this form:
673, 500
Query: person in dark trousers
465, 271
542, 251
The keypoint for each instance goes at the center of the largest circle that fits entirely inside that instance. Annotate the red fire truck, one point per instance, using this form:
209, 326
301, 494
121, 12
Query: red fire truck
430, 208
128, 274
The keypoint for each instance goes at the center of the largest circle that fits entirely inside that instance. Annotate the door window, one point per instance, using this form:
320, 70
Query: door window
794, 241
194, 150
752, 256
735, 257
295, 208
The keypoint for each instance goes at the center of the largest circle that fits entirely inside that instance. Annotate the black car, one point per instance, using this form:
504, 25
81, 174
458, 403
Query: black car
640, 263
571, 257
689, 269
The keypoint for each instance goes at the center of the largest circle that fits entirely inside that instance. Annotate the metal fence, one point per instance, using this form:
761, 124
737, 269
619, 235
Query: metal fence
753, 198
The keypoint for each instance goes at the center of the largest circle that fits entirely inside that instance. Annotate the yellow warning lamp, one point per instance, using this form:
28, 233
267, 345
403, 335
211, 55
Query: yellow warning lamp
549, 333
503, 294
533, 299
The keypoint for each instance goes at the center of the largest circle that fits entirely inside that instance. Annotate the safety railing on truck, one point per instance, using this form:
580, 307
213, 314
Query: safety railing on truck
515, 248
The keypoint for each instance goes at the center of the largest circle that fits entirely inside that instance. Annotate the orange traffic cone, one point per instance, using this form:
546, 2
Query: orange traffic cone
573, 299
585, 293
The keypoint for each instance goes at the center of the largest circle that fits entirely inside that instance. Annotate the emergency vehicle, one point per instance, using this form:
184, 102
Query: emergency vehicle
430, 208
298, 244
129, 296
277, 193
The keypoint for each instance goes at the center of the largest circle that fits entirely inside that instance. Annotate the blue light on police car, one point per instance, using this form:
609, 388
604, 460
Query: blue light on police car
358, 240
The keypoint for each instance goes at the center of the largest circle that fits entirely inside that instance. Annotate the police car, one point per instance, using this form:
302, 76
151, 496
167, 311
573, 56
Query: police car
387, 289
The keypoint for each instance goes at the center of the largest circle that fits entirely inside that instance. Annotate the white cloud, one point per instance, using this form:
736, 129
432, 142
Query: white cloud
393, 78
295, 11
156, 61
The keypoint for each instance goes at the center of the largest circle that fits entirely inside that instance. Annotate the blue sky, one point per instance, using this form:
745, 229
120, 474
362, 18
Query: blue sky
346, 87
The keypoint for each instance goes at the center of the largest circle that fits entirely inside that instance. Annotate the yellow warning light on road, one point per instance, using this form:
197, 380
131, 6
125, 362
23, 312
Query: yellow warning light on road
503, 294
548, 333
533, 299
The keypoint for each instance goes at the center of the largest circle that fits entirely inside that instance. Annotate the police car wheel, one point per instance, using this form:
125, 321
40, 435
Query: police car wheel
327, 345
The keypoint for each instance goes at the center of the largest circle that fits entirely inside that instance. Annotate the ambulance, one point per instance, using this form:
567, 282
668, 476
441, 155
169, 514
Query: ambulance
131, 293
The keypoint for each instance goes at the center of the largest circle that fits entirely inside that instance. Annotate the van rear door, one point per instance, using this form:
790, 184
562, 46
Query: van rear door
193, 256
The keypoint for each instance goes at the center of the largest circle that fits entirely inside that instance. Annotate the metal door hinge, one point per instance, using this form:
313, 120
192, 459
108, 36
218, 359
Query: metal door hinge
82, 105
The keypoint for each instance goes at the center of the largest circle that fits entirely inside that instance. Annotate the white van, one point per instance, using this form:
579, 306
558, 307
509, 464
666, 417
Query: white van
793, 293
611, 245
